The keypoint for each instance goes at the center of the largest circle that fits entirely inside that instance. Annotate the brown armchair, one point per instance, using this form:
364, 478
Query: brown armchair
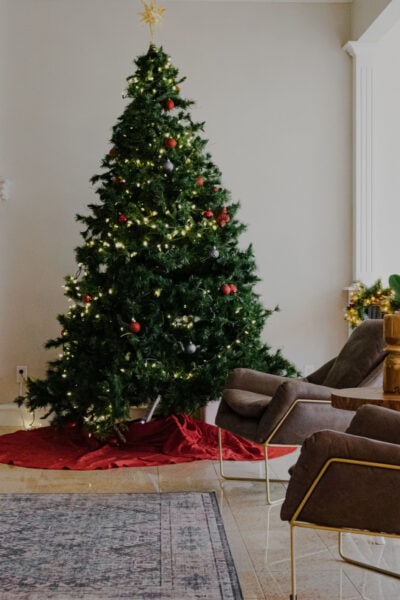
281, 411
348, 482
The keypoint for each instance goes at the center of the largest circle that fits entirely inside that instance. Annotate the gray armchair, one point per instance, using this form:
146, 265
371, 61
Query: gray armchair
348, 482
281, 411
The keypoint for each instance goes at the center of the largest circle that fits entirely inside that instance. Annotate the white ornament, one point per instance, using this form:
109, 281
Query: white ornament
168, 166
191, 348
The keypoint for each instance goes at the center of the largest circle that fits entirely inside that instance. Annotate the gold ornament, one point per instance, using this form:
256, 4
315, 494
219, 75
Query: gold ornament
364, 299
152, 15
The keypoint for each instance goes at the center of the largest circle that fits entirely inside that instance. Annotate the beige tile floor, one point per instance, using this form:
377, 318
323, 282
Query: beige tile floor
259, 540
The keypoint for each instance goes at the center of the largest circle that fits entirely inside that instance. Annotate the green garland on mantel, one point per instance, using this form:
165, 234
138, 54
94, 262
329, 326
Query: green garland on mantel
374, 301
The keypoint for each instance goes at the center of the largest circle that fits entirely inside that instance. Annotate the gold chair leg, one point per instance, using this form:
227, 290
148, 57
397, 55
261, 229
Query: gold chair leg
268, 480
293, 594
363, 564
265, 479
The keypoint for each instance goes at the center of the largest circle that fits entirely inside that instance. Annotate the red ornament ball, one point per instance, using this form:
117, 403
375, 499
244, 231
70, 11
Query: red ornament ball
87, 298
223, 218
170, 143
225, 289
135, 327
118, 180
200, 181
169, 104
216, 188
208, 214
233, 288
112, 152
122, 218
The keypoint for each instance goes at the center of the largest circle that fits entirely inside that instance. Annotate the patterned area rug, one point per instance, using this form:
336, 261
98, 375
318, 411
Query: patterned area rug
168, 546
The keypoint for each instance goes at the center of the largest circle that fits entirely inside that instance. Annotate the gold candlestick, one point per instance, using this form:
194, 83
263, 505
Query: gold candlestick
391, 365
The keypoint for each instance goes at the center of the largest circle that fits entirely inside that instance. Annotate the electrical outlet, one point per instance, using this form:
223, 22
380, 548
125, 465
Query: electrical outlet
21, 373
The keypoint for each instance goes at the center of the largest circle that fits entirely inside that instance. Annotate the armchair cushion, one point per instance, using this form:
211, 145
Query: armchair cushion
254, 381
285, 396
353, 364
321, 373
376, 423
348, 495
245, 403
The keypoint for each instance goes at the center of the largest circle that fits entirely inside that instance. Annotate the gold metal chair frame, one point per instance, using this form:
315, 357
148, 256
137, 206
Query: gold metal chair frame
265, 479
266, 445
340, 530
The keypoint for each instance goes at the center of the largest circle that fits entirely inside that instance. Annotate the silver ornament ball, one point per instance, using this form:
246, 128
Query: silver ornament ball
191, 348
214, 252
168, 166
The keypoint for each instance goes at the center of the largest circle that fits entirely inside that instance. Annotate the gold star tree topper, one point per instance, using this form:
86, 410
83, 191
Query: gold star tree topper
152, 15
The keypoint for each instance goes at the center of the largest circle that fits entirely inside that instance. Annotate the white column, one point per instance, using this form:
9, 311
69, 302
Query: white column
364, 199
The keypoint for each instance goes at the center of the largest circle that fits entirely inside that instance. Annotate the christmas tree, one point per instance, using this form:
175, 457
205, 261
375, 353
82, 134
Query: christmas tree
163, 302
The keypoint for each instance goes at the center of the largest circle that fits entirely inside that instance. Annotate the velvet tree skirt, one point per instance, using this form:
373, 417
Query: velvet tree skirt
169, 440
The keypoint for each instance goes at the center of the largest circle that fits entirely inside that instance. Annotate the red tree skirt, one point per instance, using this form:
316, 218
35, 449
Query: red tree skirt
170, 440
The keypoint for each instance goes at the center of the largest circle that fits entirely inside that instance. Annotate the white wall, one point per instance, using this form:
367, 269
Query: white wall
377, 179
364, 12
386, 240
274, 88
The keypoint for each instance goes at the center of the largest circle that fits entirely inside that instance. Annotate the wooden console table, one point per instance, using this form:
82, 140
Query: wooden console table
353, 398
